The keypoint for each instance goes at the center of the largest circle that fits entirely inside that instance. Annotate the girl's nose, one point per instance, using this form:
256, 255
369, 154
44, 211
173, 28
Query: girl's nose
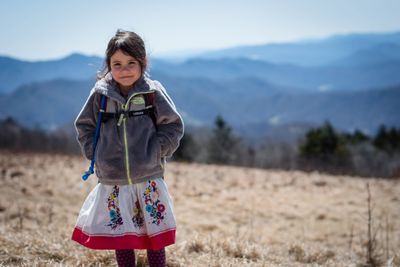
125, 68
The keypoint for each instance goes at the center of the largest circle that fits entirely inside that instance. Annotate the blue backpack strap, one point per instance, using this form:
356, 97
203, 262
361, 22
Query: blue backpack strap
103, 103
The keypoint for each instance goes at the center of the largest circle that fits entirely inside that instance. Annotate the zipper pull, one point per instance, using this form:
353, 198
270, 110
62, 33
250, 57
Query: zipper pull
121, 117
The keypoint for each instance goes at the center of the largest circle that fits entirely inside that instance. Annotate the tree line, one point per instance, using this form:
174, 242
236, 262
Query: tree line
18, 138
322, 148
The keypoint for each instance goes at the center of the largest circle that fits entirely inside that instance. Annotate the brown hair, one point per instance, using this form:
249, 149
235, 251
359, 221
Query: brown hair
129, 43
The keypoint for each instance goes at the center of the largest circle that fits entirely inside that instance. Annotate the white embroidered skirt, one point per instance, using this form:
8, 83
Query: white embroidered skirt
137, 216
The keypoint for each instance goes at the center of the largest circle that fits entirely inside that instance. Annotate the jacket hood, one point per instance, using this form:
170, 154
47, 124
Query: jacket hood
108, 86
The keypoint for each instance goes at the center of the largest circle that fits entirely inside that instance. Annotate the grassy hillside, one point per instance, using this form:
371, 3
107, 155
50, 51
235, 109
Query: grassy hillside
227, 216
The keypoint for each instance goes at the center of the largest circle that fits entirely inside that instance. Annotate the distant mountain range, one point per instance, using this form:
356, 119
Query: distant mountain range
46, 105
352, 81
55, 103
14, 73
311, 52
344, 75
248, 101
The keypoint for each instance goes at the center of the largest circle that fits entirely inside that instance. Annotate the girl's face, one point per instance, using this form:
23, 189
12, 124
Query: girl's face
125, 70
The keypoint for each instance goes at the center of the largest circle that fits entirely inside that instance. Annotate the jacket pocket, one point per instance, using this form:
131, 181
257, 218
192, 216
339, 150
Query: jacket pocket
146, 156
109, 153
157, 151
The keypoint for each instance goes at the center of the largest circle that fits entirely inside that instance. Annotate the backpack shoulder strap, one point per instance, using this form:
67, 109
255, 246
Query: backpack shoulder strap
149, 102
103, 107
149, 98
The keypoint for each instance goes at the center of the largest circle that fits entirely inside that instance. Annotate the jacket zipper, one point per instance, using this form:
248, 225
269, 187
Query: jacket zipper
122, 119
128, 174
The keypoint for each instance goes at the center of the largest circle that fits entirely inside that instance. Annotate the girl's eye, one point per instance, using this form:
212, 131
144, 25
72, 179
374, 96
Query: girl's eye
132, 63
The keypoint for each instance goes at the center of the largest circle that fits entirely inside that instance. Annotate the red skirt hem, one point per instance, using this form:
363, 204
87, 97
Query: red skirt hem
126, 241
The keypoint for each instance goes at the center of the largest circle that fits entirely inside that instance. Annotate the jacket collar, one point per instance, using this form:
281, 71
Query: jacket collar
108, 87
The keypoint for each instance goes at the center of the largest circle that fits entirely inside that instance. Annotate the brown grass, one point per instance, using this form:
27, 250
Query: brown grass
227, 216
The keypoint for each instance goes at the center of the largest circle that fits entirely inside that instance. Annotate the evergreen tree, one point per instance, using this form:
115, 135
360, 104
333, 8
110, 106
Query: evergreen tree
324, 149
187, 149
387, 140
222, 144
380, 140
356, 138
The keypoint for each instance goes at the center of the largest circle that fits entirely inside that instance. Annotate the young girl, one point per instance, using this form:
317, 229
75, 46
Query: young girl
130, 208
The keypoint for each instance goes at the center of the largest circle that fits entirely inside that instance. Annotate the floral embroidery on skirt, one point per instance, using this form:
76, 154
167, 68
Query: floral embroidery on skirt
137, 219
153, 205
113, 208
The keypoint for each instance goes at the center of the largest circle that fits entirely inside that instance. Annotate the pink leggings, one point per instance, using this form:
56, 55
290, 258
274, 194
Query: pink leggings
126, 258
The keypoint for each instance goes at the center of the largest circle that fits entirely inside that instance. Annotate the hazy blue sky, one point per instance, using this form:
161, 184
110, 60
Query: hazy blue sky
44, 29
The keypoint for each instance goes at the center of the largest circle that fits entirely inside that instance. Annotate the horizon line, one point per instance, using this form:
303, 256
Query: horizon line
193, 51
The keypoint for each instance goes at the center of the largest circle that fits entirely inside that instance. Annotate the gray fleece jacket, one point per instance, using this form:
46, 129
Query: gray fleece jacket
129, 149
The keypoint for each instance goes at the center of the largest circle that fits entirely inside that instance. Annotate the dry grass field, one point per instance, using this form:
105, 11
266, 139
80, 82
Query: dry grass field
227, 216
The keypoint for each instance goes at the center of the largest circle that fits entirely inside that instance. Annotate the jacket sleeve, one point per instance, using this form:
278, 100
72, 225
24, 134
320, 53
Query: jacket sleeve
169, 123
85, 124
